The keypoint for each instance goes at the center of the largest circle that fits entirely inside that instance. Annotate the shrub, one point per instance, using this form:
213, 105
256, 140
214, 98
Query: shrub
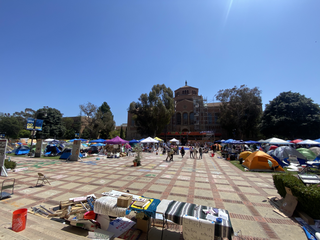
308, 196
10, 164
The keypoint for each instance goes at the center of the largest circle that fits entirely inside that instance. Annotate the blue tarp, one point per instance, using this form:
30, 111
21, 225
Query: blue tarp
82, 140
97, 141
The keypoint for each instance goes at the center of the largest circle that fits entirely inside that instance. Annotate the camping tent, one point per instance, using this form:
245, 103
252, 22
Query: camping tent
309, 142
270, 147
283, 154
259, 161
22, 150
244, 154
316, 150
52, 150
307, 153
149, 140
116, 140
67, 153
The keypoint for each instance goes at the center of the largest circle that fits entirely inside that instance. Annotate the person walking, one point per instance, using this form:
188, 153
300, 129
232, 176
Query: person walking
171, 153
168, 154
196, 153
182, 151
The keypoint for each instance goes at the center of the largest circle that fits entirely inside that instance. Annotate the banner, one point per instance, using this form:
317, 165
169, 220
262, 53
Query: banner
39, 123
30, 124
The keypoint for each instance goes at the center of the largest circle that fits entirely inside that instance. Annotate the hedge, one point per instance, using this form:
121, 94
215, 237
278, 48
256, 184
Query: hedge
308, 196
10, 164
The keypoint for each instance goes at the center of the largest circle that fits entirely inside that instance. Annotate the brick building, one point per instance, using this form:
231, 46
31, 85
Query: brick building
194, 119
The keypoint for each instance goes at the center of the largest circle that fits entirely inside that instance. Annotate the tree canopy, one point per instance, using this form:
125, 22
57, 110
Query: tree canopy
240, 111
10, 125
99, 121
291, 115
153, 112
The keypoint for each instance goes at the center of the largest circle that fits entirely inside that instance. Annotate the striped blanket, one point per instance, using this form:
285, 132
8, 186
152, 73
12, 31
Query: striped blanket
177, 210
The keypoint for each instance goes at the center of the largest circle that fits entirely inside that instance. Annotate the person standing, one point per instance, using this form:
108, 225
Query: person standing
191, 152
195, 152
200, 152
171, 153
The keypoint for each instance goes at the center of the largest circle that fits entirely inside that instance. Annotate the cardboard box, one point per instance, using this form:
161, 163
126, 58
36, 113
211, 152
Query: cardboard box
143, 225
124, 201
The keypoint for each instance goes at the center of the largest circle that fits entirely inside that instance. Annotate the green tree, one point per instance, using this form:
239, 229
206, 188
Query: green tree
10, 125
291, 115
99, 121
24, 133
240, 111
122, 133
52, 126
108, 124
114, 133
68, 123
153, 112
22, 116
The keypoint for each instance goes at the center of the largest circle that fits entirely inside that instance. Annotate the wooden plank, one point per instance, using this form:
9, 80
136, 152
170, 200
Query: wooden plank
305, 217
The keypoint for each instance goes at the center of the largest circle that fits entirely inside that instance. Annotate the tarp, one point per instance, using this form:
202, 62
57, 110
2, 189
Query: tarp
116, 140
97, 141
258, 161
307, 153
149, 140
82, 140
309, 142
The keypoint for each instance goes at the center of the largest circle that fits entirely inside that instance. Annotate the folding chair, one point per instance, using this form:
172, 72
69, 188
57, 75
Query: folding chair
42, 178
7, 184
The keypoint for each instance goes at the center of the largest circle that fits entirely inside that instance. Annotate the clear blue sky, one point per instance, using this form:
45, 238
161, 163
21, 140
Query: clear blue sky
61, 54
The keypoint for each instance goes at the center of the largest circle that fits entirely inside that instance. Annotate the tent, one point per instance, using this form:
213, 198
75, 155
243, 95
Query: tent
316, 150
67, 153
52, 150
259, 161
276, 141
82, 140
251, 142
317, 140
244, 154
283, 154
307, 153
97, 145
97, 141
158, 139
22, 150
116, 140
174, 140
270, 147
229, 141
149, 140
133, 141
309, 142
296, 141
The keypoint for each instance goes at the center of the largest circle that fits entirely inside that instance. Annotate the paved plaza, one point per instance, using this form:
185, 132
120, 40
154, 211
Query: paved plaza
210, 181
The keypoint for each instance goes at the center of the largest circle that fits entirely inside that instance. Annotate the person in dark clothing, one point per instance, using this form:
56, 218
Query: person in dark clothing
182, 151
200, 152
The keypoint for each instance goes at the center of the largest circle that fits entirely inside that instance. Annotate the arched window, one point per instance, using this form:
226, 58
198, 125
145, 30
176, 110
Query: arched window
185, 118
191, 118
210, 118
178, 116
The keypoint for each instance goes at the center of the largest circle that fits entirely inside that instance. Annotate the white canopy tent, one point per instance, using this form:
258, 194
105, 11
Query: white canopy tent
149, 140
276, 141
174, 140
309, 142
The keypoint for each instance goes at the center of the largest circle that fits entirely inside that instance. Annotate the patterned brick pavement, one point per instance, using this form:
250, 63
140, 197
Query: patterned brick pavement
210, 181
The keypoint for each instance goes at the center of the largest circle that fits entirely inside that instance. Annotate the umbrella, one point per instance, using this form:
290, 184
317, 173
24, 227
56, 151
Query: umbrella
116, 140
307, 153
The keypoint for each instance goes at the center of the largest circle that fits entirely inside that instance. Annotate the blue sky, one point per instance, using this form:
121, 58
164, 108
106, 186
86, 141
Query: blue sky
62, 54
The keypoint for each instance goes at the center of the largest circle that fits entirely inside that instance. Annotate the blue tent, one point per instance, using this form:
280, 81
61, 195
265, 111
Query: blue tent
22, 150
317, 140
97, 141
251, 142
133, 141
98, 145
229, 141
67, 153
52, 150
